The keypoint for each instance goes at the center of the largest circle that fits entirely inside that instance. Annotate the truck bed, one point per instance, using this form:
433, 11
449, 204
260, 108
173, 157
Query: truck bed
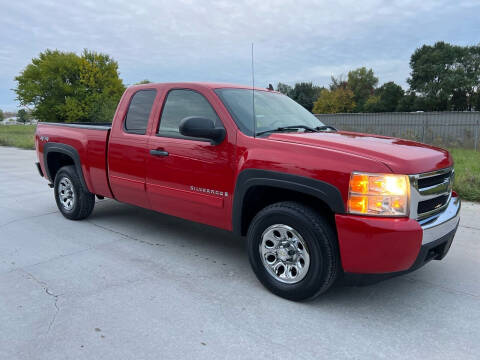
88, 140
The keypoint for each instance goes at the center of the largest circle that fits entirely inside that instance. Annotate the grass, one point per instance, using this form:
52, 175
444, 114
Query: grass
21, 136
467, 162
467, 173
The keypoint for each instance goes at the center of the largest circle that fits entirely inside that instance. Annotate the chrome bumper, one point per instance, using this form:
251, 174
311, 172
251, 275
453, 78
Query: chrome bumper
442, 223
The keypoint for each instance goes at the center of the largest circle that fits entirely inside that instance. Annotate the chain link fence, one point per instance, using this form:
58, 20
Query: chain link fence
444, 129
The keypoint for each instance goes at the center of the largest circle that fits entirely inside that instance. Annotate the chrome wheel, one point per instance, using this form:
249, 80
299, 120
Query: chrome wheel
284, 253
66, 193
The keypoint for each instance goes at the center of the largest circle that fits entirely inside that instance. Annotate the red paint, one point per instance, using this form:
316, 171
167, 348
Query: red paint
118, 165
377, 245
401, 156
189, 196
92, 149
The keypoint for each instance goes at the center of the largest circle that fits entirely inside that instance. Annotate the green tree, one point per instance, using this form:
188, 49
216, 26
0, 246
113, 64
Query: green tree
144, 81
386, 98
373, 104
390, 95
305, 93
476, 101
340, 100
65, 87
362, 82
102, 85
22, 116
1, 115
406, 104
284, 89
338, 82
446, 76
411, 102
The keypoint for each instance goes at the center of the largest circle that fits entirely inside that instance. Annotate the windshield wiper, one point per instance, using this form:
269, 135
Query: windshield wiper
325, 127
291, 127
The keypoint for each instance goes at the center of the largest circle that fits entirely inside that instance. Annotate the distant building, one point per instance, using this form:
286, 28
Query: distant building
13, 121
10, 121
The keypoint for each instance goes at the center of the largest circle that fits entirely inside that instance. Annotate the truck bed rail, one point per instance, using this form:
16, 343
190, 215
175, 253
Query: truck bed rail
92, 126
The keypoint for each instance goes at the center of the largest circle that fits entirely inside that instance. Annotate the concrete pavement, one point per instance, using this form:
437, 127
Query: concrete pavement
129, 283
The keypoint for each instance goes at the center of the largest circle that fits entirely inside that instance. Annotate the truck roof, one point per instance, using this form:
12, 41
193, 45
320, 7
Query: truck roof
197, 84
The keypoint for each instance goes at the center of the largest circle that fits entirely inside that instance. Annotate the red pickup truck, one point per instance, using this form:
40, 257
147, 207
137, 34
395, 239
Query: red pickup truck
315, 204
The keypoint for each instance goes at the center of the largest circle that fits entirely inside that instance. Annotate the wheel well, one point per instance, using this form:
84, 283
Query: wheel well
258, 197
55, 161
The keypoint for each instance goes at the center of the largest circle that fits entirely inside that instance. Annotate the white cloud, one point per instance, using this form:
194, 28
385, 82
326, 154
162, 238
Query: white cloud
210, 40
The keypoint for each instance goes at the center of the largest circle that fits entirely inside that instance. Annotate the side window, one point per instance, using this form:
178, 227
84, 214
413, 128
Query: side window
139, 109
181, 104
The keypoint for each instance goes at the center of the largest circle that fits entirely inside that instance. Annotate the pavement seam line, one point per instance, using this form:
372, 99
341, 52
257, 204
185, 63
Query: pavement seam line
26, 218
120, 233
470, 227
61, 256
44, 285
452, 291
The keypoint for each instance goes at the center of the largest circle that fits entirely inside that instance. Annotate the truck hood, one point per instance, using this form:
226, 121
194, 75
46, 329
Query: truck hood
401, 156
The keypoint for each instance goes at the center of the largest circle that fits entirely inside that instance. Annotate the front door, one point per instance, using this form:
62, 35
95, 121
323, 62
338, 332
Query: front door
189, 177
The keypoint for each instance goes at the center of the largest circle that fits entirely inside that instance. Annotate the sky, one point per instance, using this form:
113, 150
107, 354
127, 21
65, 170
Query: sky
187, 40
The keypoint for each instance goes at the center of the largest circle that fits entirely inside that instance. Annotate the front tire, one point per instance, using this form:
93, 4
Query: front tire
73, 201
293, 251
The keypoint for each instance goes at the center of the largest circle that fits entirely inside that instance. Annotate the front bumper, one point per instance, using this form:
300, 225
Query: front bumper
443, 223
372, 245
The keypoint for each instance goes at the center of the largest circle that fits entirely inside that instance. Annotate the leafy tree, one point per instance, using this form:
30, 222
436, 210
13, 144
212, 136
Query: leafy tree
48, 82
22, 116
446, 76
144, 81
373, 104
386, 98
362, 82
476, 101
2, 116
406, 103
390, 95
284, 89
411, 102
338, 82
340, 100
65, 87
305, 93
102, 85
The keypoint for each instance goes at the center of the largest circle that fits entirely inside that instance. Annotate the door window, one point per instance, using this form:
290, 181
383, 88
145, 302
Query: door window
139, 110
181, 104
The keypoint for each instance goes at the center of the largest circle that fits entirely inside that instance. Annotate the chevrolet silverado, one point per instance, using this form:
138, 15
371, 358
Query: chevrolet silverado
314, 203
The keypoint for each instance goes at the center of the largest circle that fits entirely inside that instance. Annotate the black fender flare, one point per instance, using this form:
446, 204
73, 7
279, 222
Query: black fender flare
249, 178
68, 150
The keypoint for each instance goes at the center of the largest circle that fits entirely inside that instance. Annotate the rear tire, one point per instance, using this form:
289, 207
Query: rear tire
293, 251
73, 201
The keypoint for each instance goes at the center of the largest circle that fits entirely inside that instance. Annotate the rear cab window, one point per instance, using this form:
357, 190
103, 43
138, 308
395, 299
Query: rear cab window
141, 104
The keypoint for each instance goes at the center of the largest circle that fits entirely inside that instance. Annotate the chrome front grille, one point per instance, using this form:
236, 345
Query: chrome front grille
430, 192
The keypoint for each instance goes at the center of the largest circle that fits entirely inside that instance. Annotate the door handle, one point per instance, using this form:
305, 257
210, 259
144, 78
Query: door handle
158, 152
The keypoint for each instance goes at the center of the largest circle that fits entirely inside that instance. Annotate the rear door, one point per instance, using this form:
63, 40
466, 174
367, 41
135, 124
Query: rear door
189, 177
128, 150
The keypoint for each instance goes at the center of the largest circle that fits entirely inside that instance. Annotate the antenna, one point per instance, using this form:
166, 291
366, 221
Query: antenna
253, 99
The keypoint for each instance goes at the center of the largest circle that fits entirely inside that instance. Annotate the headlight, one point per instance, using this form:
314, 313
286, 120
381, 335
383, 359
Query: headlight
378, 194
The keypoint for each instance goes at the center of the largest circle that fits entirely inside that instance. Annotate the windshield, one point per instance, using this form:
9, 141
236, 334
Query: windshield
272, 110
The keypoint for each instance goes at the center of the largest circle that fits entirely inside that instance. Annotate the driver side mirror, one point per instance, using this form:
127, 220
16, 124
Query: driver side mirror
200, 127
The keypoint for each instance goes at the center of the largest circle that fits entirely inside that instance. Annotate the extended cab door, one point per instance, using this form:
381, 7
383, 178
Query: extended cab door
189, 177
127, 148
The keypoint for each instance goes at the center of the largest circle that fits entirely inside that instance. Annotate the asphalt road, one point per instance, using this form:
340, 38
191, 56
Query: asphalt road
129, 283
